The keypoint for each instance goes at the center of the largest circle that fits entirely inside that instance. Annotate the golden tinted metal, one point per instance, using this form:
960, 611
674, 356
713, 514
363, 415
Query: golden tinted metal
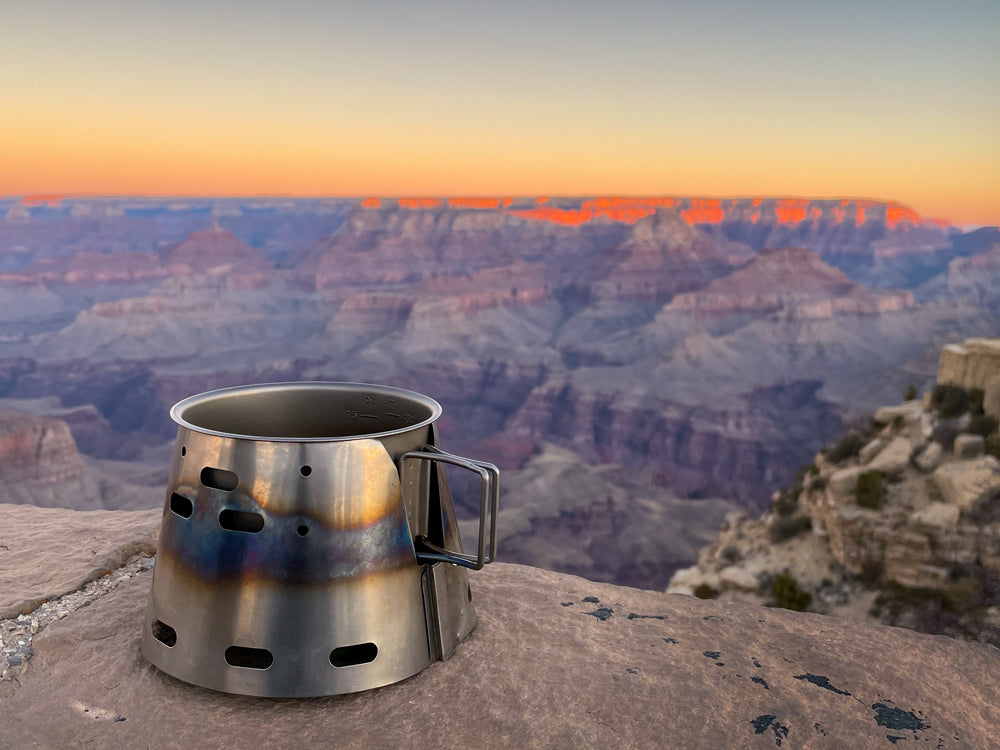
291, 561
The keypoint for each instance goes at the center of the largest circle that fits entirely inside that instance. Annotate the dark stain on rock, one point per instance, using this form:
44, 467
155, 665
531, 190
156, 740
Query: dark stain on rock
119, 718
712, 618
819, 729
891, 717
769, 721
591, 600
894, 738
632, 670
634, 616
669, 640
567, 604
756, 663
712, 654
720, 664
761, 681
820, 681
602, 613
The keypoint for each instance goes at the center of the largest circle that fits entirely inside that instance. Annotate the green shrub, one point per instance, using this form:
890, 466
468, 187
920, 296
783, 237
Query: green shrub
980, 424
911, 392
944, 435
847, 447
704, 591
786, 504
986, 510
950, 400
869, 491
784, 528
871, 573
976, 396
992, 445
787, 594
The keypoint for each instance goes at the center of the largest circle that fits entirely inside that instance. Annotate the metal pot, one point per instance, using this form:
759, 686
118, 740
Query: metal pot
309, 544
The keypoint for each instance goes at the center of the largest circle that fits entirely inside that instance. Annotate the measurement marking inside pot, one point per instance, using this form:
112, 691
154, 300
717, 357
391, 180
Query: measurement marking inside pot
368, 416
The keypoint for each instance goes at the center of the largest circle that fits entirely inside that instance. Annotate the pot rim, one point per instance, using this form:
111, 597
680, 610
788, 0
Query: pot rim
178, 409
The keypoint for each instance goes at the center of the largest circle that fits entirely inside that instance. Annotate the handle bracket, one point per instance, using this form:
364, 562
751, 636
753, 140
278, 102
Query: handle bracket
489, 501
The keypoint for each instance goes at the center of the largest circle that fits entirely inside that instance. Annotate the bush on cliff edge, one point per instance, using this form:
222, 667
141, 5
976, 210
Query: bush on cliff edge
787, 594
869, 492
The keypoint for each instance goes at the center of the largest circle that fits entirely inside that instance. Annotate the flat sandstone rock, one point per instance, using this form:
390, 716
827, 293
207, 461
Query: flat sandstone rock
47, 552
556, 662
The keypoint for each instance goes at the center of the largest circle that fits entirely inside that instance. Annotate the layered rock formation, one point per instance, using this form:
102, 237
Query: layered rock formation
556, 661
899, 521
662, 335
974, 364
561, 514
40, 465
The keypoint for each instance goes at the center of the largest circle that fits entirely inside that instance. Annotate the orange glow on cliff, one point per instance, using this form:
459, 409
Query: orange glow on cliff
569, 217
38, 200
416, 203
478, 203
896, 214
371, 203
625, 210
791, 210
704, 211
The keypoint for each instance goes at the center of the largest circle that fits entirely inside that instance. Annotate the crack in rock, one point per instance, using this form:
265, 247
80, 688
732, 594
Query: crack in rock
16, 633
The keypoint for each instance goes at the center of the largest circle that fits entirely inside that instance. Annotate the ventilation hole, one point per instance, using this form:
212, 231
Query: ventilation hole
249, 658
302, 530
184, 451
348, 656
306, 470
164, 633
181, 505
240, 520
468, 592
219, 479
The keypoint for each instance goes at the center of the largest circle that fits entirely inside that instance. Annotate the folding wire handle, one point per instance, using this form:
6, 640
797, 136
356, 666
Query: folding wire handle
489, 501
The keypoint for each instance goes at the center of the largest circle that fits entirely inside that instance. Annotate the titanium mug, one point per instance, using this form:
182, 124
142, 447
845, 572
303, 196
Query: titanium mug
309, 544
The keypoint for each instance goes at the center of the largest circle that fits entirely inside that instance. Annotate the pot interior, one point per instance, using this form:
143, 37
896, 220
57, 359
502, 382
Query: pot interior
306, 411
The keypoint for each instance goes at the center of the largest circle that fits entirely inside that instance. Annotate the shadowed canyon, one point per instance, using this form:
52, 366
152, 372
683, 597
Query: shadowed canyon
636, 366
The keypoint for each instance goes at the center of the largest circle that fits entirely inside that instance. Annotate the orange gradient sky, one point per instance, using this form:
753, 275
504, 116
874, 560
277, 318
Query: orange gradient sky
894, 100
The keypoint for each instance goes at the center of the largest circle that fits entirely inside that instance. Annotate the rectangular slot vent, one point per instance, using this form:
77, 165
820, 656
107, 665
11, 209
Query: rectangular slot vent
249, 658
219, 479
241, 520
181, 505
164, 633
349, 656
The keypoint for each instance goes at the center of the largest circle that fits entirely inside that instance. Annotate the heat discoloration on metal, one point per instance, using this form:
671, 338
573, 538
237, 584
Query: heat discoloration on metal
313, 548
344, 519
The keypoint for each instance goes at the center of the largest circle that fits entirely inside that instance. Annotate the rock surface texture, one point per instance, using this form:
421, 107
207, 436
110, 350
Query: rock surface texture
556, 662
46, 552
972, 364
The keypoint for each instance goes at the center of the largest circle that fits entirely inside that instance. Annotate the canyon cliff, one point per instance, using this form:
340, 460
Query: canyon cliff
704, 347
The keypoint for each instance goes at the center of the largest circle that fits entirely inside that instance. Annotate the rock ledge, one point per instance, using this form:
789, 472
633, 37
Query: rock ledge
556, 662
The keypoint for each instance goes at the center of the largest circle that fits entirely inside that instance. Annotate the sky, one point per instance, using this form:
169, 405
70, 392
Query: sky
888, 99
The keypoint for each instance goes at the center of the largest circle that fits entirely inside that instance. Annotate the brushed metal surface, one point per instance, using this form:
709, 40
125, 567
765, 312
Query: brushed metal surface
303, 579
